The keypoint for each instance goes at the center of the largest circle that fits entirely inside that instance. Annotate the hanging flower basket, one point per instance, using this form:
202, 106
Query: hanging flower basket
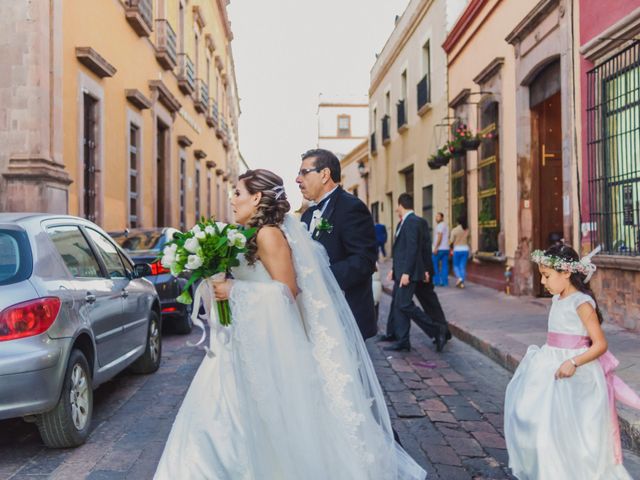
433, 165
440, 158
471, 144
455, 147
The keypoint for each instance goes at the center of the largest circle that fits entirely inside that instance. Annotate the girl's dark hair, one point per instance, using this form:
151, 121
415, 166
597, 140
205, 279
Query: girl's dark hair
567, 253
462, 220
272, 208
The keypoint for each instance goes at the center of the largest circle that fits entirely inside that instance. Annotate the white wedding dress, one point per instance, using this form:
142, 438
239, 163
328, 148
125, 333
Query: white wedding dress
560, 429
291, 393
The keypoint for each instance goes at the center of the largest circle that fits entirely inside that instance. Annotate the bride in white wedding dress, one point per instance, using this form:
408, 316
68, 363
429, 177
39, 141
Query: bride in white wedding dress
288, 391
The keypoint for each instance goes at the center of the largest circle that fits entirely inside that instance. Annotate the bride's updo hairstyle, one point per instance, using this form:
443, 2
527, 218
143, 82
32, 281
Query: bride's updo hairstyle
273, 205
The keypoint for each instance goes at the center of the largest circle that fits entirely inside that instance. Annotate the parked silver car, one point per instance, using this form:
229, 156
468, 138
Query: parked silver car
74, 311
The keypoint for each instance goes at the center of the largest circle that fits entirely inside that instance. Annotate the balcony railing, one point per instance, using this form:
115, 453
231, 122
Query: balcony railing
215, 113
386, 137
424, 93
225, 132
212, 114
139, 14
402, 115
372, 143
202, 96
186, 74
166, 46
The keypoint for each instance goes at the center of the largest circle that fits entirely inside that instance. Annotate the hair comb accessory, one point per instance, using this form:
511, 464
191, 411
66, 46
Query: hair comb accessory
279, 191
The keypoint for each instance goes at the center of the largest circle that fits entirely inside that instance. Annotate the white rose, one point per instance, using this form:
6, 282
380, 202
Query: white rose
167, 260
169, 255
192, 245
231, 237
196, 229
209, 230
193, 262
201, 235
240, 240
220, 225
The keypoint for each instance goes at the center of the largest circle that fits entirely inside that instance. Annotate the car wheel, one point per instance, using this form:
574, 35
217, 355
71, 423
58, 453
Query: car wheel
149, 362
184, 324
68, 424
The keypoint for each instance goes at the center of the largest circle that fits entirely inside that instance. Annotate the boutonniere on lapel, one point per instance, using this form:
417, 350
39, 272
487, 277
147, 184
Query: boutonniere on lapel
321, 224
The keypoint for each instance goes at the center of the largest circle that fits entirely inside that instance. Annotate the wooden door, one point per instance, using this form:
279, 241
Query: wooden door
546, 134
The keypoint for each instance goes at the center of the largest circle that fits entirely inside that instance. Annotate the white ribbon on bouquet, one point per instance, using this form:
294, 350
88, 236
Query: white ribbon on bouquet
207, 285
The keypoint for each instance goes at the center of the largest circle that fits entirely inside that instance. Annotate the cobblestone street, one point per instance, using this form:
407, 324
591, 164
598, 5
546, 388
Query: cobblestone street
447, 409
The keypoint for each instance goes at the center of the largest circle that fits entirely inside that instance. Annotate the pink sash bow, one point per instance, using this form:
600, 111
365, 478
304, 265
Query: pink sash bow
616, 388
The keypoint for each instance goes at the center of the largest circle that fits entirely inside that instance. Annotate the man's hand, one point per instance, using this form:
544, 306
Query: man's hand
427, 277
404, 280
390, 275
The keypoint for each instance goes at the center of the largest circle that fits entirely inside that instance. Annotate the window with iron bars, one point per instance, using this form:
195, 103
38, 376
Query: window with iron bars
613, 149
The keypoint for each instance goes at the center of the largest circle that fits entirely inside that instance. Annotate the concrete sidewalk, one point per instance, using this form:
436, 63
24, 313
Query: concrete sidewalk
502, 327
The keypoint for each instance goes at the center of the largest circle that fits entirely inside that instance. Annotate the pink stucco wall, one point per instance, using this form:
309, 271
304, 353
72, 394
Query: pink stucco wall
595, 17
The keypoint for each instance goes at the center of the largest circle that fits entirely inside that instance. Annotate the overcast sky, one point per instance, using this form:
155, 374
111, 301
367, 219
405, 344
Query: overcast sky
286, 53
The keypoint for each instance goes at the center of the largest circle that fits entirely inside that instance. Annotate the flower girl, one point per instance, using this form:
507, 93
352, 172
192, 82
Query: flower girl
560, 418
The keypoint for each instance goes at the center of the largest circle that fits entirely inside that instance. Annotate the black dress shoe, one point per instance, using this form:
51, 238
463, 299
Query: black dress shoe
441, 341
386, 338
399, 347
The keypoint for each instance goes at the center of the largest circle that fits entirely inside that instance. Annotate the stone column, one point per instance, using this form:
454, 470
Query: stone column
32, 171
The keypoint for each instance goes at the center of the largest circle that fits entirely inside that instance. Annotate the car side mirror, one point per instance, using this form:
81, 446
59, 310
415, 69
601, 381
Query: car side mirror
141, 270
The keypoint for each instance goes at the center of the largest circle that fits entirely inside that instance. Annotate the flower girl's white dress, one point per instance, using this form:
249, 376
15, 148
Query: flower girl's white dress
561, 429
291, 393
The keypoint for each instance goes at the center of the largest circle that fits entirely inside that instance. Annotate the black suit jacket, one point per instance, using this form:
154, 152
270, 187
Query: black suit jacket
426, 247
351, 246
409, 249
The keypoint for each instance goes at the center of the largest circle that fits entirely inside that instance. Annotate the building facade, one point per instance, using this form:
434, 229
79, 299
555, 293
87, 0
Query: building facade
342, 123
519, 188
123, 112
355, 171
408, 113
609, 76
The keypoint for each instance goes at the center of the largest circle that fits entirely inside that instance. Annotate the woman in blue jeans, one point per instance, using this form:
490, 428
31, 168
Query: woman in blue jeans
460, 241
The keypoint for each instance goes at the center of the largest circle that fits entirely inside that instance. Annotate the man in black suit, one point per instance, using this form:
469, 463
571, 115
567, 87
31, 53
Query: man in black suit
412, 269
425, 292
343, 225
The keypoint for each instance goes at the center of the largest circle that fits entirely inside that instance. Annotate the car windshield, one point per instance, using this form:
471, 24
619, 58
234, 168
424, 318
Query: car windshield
15, 256
138, 241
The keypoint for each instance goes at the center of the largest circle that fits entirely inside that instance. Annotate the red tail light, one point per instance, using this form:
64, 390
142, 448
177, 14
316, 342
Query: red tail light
29, 318
157, 268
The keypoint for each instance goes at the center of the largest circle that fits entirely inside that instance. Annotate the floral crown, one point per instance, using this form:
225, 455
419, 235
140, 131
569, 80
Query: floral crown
583, 266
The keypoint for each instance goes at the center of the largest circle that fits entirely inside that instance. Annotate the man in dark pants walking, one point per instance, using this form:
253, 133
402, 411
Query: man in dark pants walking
411, 271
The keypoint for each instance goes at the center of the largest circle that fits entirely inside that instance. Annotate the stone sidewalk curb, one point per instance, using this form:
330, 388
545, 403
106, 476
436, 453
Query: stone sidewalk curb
629, 425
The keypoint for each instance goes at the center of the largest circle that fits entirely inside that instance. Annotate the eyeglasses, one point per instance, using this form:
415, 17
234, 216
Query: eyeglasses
303, 171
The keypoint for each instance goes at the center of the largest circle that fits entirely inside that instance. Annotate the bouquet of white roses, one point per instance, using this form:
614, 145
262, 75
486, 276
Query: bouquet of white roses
208, 251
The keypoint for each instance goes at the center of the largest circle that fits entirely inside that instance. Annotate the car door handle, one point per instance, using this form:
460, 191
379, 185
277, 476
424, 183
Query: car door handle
90, 298
124, 294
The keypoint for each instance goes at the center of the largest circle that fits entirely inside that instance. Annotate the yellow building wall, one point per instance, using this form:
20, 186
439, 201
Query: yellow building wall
466, 61
103, 27
423, 136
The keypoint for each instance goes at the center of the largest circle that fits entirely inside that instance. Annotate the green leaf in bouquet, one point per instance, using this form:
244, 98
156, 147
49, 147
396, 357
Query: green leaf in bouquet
185, 298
